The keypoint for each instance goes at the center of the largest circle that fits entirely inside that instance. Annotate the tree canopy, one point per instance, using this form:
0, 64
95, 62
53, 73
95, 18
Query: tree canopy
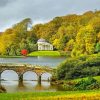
17, 38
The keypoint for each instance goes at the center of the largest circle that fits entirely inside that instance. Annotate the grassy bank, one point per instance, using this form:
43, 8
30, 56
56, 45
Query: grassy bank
72, 95
45, 53
40, 53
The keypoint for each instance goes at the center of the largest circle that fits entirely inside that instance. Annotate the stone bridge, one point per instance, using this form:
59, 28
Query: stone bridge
20, 69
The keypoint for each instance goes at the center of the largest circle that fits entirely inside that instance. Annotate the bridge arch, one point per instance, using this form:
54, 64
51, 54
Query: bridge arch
20, 70
9, 73
46, 76
33, 74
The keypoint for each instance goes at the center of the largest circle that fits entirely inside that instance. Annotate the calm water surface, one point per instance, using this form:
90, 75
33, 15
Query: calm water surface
48, 61
29, 84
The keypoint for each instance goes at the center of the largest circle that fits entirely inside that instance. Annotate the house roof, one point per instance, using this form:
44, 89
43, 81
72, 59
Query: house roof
41, 40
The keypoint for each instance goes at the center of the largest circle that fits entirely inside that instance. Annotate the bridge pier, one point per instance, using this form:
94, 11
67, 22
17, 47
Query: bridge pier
20, 78
20, 84
39, 79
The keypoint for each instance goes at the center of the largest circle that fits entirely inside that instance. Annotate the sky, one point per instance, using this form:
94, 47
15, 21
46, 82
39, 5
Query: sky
41, 11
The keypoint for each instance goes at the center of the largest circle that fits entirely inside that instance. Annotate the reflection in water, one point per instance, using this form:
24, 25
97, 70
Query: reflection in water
10, 86
27, 86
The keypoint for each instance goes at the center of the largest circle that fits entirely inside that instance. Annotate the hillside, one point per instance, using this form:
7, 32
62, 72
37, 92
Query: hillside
78, 34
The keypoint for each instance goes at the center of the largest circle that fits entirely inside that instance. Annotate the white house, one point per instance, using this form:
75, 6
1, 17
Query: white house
44, 45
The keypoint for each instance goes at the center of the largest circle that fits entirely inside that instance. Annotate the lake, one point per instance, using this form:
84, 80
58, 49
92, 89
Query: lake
43, 61
29, 85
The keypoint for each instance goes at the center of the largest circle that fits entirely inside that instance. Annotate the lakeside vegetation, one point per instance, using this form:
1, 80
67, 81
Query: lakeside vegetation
79, 67
86, 83
78, 73
76, 95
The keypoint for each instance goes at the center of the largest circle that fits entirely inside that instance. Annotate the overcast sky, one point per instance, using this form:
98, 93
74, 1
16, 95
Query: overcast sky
13, 11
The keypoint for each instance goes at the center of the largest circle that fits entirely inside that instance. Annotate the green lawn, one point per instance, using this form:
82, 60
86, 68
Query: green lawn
45, 53
75, 95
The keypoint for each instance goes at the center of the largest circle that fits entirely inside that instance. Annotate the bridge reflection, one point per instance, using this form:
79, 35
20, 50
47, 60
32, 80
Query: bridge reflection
15, 86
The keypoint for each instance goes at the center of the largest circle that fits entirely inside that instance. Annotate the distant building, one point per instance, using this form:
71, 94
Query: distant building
44, 45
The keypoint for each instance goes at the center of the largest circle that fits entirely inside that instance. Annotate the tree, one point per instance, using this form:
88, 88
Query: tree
70, 45
90, 39
85, 41
56, 43
79, 47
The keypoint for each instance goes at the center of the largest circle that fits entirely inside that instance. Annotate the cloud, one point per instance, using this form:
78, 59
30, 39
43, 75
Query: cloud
12, 11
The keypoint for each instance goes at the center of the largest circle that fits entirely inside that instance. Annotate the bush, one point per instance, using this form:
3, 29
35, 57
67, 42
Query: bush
69, 86
64, 70
79, 67
88, 84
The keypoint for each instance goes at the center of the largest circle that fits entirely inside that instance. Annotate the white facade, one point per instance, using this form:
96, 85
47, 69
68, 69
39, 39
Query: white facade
43, 45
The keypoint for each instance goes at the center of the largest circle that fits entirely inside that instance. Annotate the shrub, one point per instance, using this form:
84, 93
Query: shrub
88, 84
79, 67
64, 69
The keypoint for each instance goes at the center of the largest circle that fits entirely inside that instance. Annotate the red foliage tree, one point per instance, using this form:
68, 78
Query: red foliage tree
24, 52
